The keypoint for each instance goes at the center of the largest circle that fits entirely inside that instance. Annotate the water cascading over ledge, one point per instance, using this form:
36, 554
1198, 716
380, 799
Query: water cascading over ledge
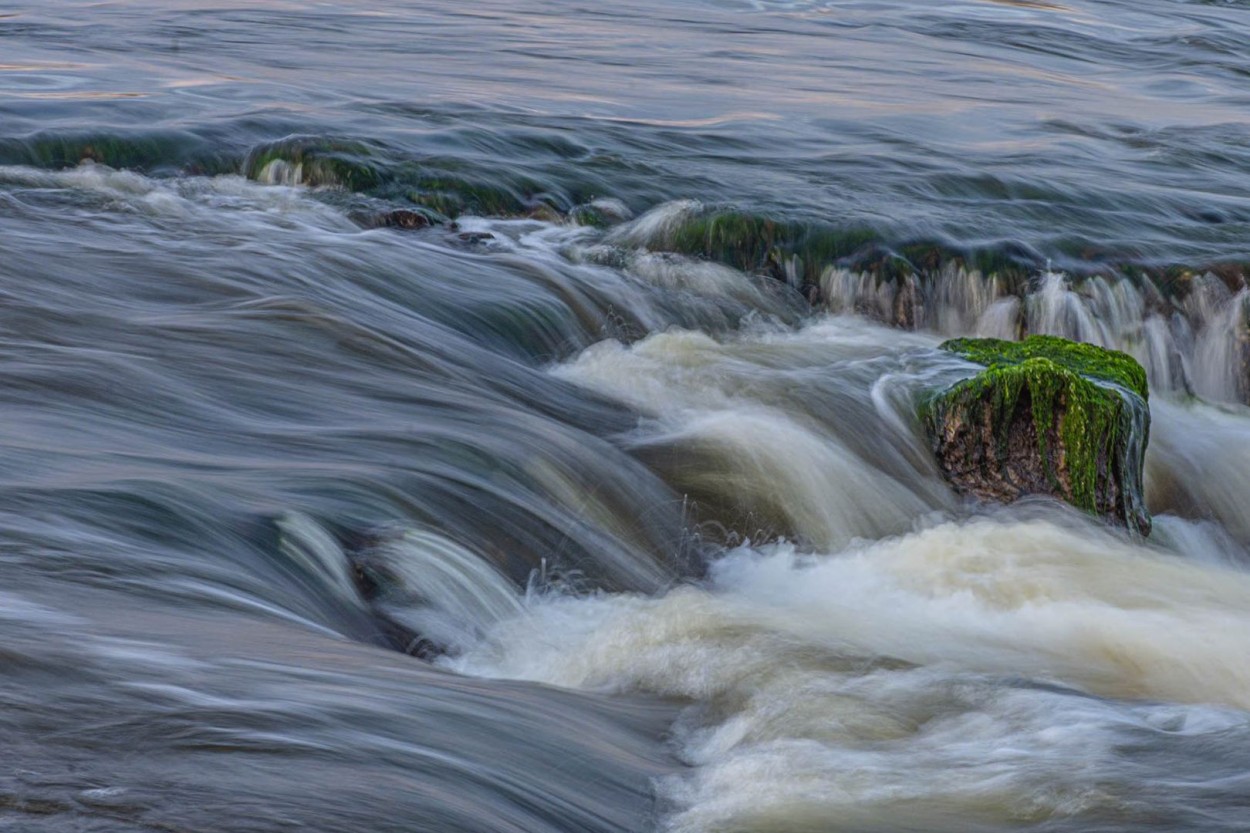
1189, 327
1192, 337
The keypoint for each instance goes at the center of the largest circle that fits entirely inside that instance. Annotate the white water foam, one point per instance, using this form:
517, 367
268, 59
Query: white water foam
987, 672
741, 406
928, 681
185, 199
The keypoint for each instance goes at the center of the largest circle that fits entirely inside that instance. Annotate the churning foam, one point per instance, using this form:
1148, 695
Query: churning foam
808, 429
950, 676
1028, 666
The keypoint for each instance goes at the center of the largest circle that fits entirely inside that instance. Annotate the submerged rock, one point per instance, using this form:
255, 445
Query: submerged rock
908, 304
601, 213
404, 218
1047, 416
398, 218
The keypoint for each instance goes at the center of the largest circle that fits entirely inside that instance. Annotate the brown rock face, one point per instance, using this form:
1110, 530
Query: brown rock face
991, 461
998, 458
908, 304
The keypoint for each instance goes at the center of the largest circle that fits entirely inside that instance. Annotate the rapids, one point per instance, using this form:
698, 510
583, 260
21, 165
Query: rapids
599, 502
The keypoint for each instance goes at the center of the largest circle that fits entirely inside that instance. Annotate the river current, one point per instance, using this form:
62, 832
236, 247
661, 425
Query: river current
501, 416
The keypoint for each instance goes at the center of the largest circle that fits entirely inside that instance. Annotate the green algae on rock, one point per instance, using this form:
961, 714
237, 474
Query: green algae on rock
313, 161
1045, 416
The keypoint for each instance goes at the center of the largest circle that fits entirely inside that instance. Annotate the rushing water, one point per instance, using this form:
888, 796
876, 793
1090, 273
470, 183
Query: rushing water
598, 502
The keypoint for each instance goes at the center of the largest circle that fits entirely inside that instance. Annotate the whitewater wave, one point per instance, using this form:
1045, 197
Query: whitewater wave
997, 671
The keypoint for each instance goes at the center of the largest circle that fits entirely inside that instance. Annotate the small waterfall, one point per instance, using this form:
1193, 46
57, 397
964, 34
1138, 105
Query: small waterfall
281, 172
1220, 357
1001, 320
1055, 309
960, 305
1189, 332
1196, 344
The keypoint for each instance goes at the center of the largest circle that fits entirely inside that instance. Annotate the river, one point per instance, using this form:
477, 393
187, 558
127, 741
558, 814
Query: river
501, 416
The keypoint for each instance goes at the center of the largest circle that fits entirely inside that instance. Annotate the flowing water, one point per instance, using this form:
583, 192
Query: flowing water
594, 499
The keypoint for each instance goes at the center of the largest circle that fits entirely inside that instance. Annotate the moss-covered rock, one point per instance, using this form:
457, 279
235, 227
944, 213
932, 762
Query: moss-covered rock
313, 161
600, 213
1045, 416
147, 151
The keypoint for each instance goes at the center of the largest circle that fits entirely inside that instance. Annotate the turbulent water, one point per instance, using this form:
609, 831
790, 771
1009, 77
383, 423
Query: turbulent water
587, 494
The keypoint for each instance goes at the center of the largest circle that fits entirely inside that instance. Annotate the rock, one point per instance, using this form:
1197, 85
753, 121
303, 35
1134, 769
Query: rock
1046, 416
400, 218
474, 238
403, 218
601, 213
544, 213
908, 303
